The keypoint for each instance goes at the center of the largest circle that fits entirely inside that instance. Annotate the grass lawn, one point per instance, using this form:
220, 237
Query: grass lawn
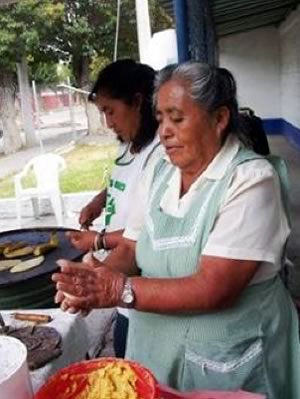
87, 169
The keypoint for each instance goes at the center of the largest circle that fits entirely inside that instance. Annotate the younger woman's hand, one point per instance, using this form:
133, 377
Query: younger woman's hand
87, 215
83, 240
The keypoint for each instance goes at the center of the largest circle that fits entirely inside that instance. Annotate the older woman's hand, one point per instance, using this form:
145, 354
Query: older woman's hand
83, 287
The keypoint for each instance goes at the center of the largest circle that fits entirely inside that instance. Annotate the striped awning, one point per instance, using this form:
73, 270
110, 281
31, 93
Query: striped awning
243, 15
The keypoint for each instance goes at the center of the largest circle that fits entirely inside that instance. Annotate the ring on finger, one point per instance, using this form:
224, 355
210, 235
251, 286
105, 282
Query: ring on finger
78, 289
76, 280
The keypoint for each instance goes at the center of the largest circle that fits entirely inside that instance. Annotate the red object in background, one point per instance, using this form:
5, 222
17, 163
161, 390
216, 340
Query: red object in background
64, 98
50, 101
169, 393
146, 384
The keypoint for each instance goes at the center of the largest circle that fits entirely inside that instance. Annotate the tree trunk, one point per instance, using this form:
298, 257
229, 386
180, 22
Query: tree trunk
26, 104
11, 134
95, 119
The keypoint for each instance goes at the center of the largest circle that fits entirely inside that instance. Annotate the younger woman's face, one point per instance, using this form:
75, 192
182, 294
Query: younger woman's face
122, 118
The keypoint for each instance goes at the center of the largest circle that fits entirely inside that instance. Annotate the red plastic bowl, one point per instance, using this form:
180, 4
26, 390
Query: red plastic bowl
57, 385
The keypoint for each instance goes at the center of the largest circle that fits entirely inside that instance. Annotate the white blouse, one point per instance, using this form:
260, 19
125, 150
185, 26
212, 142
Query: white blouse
251, 224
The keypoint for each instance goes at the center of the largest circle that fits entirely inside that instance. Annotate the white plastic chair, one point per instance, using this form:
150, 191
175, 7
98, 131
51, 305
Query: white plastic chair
46, 168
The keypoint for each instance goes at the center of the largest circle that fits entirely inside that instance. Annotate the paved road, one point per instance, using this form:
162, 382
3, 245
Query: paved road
55, 134
12, 163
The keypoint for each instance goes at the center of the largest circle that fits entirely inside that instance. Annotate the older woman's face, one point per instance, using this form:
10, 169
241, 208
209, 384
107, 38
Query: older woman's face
122, 118
190, 135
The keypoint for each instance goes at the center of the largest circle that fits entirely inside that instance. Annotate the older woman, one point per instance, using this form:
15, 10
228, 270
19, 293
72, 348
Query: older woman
210, 308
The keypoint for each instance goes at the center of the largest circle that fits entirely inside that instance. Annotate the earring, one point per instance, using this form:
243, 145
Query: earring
219, 131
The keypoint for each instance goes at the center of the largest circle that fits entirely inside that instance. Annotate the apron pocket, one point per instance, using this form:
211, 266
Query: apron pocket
224, 366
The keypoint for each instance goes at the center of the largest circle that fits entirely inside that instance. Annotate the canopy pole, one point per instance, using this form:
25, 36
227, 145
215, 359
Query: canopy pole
202, 35
117, 31
143, 27
182, 31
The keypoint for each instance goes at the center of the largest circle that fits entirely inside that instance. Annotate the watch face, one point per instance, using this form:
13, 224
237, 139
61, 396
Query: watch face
128, 298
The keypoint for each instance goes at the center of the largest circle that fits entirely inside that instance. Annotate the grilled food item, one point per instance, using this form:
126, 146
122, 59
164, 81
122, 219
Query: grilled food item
3, 245
17, 253
34, 317
43, 249
13, 247
54, 238
8, 264
23, 266
47, 246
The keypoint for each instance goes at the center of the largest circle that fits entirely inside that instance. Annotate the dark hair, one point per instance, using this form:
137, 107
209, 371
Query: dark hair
209, 86
124, 80
255, 137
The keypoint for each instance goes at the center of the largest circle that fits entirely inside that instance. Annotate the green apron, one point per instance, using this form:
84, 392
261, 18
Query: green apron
252, 345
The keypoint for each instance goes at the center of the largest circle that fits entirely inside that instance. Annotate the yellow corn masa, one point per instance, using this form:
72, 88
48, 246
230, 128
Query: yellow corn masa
114, 381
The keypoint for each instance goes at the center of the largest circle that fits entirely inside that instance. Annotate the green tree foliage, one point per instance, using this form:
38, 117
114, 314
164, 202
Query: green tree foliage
128, 41
98, 62
79, 32
24, 31
160, 20
44, 73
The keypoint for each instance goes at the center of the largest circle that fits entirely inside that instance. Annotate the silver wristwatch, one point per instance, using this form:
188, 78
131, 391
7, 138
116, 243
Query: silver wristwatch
127, 297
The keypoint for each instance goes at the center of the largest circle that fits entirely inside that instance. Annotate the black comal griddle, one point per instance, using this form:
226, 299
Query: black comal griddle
34, 288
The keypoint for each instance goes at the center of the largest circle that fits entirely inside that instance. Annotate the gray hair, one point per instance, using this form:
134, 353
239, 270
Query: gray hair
209, 86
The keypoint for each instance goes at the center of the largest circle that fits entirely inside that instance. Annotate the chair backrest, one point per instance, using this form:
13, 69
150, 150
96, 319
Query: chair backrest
46, 168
